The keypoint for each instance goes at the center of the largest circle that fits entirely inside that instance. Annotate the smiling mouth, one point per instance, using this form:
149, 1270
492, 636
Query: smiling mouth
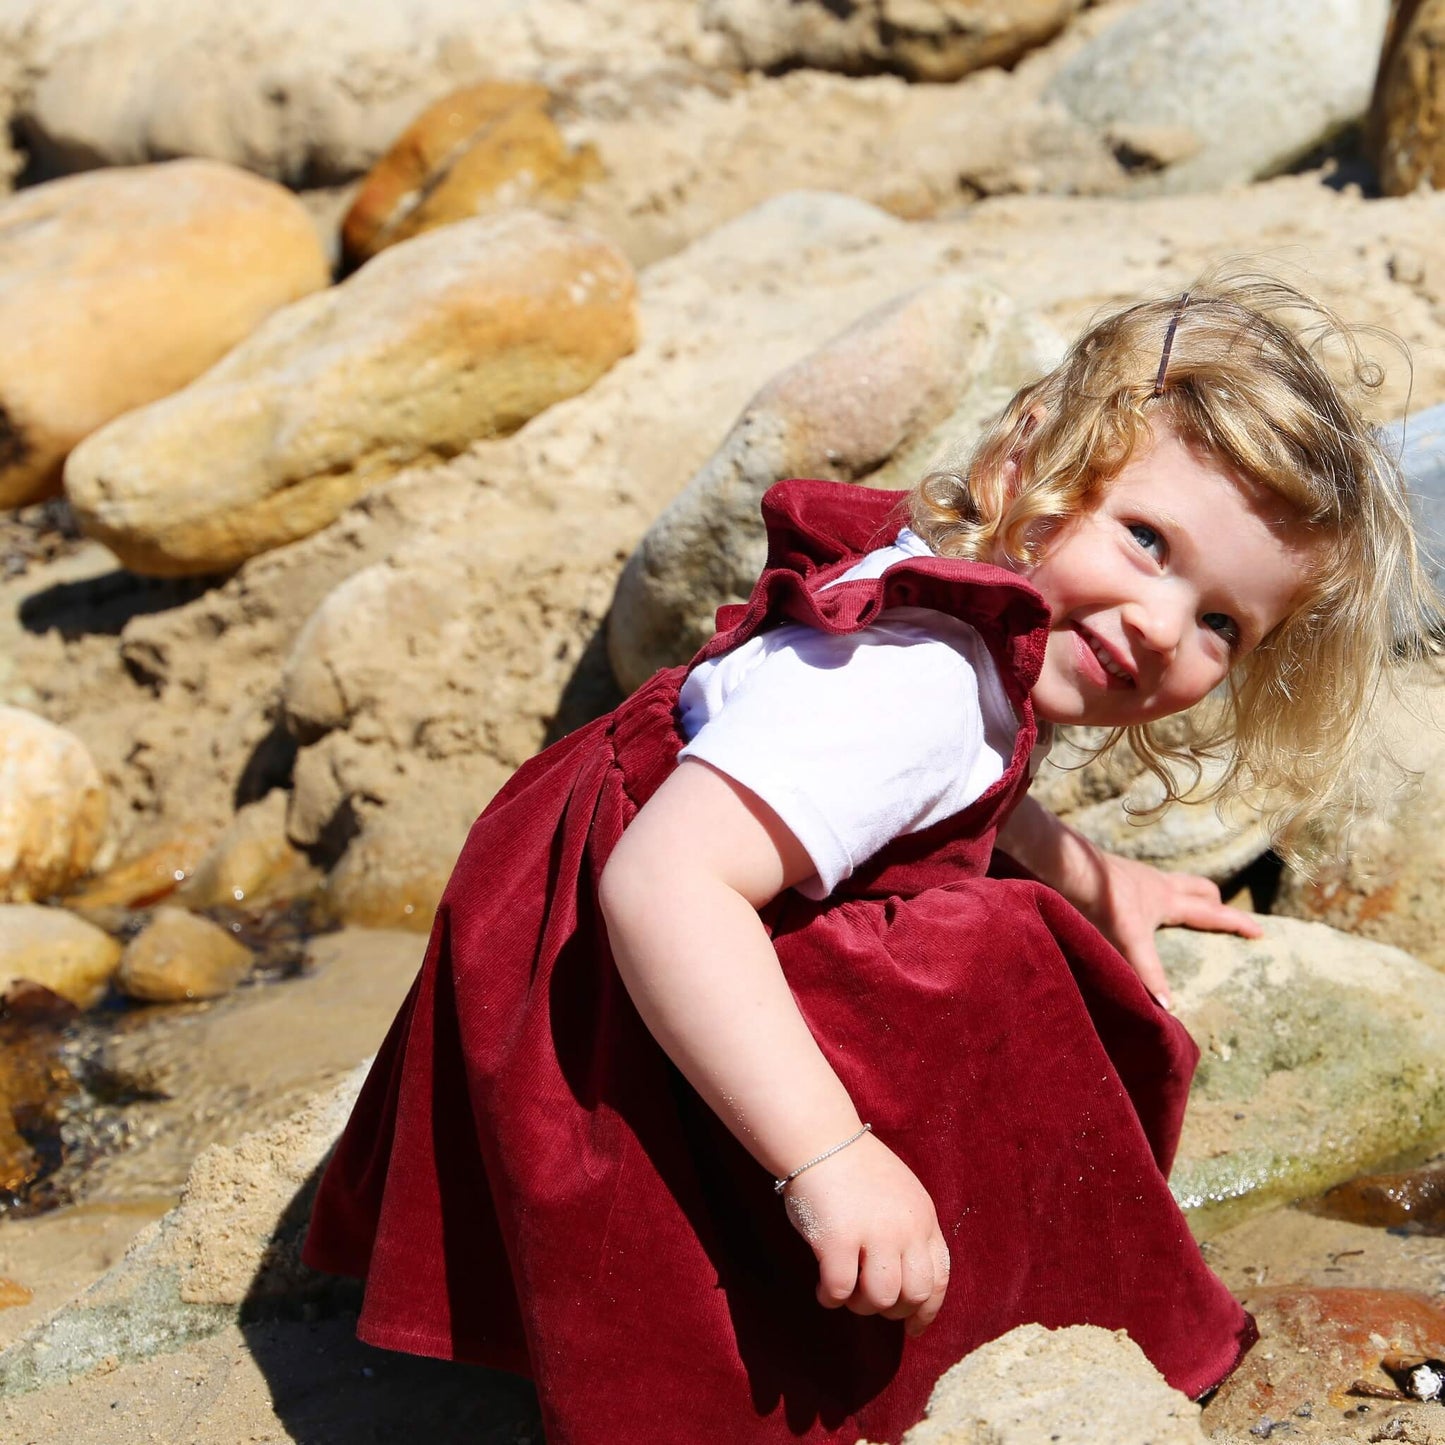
1106, 659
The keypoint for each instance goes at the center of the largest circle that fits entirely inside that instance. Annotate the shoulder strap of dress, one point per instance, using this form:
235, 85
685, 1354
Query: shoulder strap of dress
818, 529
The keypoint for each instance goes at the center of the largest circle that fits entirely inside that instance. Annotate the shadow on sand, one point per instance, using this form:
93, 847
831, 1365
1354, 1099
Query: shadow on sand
328, 1388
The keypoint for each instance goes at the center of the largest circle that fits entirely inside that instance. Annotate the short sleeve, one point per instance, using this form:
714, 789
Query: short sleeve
857, 739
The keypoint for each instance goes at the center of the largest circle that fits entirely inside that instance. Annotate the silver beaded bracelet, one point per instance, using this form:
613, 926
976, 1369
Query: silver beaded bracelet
781, 1184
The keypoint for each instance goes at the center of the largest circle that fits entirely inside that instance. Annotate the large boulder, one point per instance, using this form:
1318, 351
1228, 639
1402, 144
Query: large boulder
53, 807
1381, 879
1199, 96
414, 689
1409, 106
120, 287
308, 94
906, 385
457, 335
1323, 1055
1111, 798
489, 147
922, 39
57, 950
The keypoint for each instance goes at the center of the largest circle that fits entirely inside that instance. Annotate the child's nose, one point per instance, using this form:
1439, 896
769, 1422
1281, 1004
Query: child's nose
1158, 622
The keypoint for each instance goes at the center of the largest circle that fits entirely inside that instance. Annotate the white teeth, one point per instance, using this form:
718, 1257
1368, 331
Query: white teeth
1107, 662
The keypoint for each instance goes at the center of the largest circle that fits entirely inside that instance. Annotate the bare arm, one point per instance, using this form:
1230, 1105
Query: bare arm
680, 896
1124, 899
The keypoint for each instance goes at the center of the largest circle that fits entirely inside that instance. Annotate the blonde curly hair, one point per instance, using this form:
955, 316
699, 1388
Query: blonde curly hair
1244, 378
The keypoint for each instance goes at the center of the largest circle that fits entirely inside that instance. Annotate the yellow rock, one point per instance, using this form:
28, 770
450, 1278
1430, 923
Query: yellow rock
391, 876
146, 878
485, 148
252, 862
52, 807
52, 947
463, 333
1407, 125
120, 286
180, 956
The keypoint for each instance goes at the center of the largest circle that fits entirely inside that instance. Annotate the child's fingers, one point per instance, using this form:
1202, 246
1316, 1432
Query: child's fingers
880, 1283
1216, 917
1200, 906
927, 1312
837, 1276
921, 1283
1144, 959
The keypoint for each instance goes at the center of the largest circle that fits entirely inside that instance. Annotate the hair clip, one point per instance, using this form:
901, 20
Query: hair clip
1169, 344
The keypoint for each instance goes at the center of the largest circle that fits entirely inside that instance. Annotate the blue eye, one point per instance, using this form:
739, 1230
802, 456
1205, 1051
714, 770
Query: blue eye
1148, 539
1224, 625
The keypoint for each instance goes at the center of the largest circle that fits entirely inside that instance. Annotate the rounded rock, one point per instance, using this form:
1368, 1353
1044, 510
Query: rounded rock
454, 336
120, 287
896, 394
1240, 90
53, 807
180, 956
486, 148
57, 950
922, 39
252, 862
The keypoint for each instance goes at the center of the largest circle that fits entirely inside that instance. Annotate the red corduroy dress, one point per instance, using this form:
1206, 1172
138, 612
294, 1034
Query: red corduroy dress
527, 1182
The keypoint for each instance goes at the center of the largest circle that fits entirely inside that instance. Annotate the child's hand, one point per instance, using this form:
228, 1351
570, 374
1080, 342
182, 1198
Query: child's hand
1134, 899
1125, 900
874, 1231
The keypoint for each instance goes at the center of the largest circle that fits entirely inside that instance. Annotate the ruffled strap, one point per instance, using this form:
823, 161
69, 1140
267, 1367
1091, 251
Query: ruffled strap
817, 530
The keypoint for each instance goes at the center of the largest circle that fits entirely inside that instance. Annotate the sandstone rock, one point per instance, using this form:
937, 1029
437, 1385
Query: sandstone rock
1109, 799
407, 720
309, 95
1314, 1344
487, 148
913, 379
234, 1240
252, 862
456, 335
51, 947
393, 874
180, 956
1077, 1385
1259, 86
1405, 122
91, 332
922, 39
145, 878
344, 658
53, 807
1323, 1056
1382, 879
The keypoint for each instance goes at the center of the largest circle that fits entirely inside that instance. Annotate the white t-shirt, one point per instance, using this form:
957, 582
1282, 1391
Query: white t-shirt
858, 739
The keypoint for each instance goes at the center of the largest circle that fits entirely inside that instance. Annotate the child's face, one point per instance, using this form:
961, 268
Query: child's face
1181, 570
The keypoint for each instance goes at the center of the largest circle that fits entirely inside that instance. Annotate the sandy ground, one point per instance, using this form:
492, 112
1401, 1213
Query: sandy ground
280, 1381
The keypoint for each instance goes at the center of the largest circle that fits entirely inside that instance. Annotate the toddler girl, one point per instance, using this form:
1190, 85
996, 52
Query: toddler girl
736, 1098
